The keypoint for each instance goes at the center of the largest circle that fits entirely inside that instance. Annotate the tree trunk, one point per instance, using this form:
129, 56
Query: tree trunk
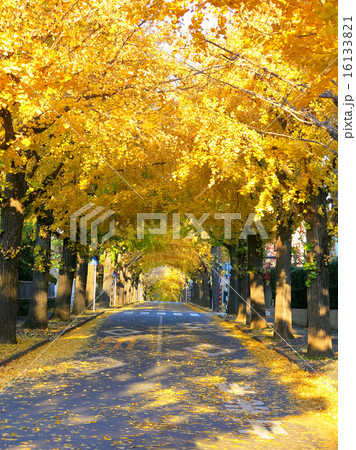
319, 330
132, 289
258, 314
135, 290
37, 313
205, 288
195, 292
200, 289
243, 284
139, 289
248, 301
283, 302
215, 278
89, 289
65, 283
127, 288
12, 219
107, 279
79, 304
244, 300
233, 303
120, 286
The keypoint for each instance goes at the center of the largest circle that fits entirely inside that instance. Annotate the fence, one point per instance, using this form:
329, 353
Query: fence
25, 290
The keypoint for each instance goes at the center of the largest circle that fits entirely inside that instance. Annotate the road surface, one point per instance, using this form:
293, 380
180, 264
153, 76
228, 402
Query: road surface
157, 375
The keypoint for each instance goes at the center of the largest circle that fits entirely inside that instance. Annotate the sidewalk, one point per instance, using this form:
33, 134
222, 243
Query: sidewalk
293, 349
28, 339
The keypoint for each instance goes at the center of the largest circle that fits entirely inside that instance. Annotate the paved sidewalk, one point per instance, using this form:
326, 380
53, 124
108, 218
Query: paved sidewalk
294, 348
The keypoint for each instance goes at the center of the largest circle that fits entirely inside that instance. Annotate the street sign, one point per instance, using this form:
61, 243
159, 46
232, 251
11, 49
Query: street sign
227, 267
94, 261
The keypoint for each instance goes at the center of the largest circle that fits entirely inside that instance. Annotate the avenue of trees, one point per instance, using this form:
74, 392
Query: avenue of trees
205, 108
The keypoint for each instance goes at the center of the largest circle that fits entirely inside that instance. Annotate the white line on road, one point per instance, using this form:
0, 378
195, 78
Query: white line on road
161, 313
177, 314
194, 315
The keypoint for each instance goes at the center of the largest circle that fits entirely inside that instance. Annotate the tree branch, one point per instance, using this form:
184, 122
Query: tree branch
293, 138
235, 55
46, 182
8, 127
329, 94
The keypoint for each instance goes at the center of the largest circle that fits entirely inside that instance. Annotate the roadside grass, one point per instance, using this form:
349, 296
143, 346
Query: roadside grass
27, 337
48, 355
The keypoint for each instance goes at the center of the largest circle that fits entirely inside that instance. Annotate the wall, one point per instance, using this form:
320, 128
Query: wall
299, 317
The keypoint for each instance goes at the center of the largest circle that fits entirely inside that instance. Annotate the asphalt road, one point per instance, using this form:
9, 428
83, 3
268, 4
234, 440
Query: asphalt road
158, 375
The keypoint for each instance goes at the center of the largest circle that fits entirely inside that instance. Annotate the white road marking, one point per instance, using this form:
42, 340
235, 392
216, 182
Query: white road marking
241, 390
257, 405
235, 389
194, 315
233, 407
252, 407
209, 350
121, 331
101, 362
145, 312
266, 428
161, 314
128, 312
177, 314
261, 430
276, 427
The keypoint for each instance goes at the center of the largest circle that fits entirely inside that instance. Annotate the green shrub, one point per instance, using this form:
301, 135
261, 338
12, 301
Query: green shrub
52, 279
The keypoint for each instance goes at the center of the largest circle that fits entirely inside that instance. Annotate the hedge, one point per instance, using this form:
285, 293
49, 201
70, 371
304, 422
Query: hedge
299, 289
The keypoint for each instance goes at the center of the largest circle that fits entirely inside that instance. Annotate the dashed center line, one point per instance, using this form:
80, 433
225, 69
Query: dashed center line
160, 313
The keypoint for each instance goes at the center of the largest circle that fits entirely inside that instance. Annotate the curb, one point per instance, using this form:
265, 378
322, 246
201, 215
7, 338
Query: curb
79, 324
200, 307
18, 355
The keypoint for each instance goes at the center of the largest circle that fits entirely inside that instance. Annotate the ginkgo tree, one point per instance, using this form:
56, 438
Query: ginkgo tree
64, 66
131, 108
290, 102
